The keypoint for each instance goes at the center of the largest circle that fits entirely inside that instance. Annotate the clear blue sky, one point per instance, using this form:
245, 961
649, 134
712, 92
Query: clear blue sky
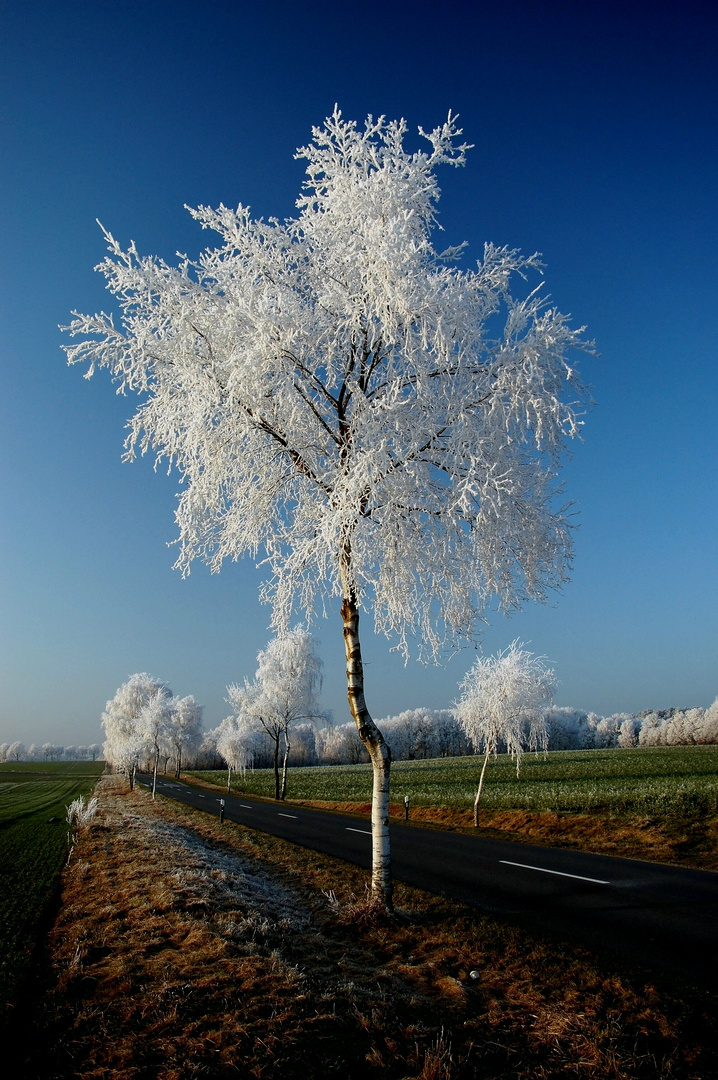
594, 127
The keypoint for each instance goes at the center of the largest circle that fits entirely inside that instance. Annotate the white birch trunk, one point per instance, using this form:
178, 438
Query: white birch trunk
275, 760
378, 750
481, 787
287, 748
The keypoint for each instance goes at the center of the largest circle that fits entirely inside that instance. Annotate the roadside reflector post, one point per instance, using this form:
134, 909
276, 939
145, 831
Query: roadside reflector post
221, 811
406, 808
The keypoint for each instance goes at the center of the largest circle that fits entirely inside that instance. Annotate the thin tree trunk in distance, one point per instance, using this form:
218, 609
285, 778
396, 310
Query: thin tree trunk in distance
481, 787
284, 765
154, 776
378, 750
229, 777
276, 767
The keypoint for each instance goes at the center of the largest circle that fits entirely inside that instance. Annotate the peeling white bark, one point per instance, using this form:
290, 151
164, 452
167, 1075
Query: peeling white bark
379, 753
481, 787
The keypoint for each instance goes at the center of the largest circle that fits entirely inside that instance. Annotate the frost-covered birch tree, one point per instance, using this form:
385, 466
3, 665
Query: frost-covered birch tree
233, 743
185, 729
382, 425
126, 739
285, 690
289, 672
503, 704
16, 751
154, 729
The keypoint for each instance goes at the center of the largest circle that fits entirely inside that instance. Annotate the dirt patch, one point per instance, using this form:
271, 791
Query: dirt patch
186, 949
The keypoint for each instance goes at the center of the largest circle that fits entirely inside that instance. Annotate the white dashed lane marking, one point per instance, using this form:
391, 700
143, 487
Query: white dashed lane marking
558, 873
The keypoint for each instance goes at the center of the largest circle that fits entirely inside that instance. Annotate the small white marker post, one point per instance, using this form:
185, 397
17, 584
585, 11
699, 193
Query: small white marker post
406, 808
221, 811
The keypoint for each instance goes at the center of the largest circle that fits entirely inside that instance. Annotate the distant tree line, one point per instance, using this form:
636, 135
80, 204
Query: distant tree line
413, 734
17, 751
572, 729
429, 733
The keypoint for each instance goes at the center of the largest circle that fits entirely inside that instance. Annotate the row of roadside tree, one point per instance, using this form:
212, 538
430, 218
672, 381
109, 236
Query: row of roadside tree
277, 721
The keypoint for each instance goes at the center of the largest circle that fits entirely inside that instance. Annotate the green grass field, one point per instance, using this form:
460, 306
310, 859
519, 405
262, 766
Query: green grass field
656, 781
33, 849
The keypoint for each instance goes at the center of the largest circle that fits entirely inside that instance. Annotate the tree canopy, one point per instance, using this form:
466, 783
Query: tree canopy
331, 382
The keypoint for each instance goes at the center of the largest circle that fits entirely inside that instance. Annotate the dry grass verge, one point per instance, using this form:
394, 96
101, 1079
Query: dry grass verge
184, 949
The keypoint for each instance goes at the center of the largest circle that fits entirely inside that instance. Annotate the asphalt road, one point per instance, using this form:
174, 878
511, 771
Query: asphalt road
666, 917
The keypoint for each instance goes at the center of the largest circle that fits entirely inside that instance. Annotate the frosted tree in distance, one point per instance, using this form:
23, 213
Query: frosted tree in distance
504, 703
385, 427
154, 728
126, 739
185, 729
233, 737
16, 751
285, 691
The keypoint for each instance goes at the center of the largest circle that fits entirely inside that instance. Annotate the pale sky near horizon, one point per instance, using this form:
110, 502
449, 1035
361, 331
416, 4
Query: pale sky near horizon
595, 143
